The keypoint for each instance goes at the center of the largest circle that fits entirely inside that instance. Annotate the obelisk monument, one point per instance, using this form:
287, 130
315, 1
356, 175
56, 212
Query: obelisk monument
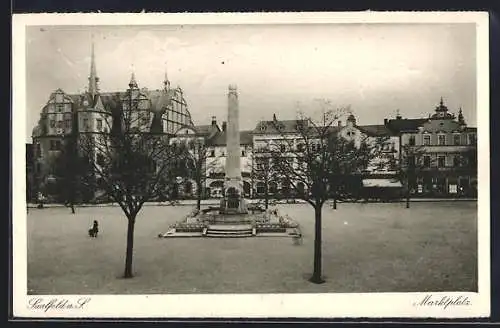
233, 186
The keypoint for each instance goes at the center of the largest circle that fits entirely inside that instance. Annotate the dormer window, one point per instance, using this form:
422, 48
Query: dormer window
262, 127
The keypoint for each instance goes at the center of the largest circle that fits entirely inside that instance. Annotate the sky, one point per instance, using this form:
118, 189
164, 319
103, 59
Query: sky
375, 69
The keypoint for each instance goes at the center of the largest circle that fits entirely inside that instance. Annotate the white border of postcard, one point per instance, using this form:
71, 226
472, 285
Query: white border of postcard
251, 305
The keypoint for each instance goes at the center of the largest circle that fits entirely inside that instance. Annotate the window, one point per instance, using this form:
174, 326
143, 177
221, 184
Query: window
55, 144
441, 140
282, 148
52, 123
300, 147
441, 161
427, 140
243, 153
99, 124
456, 160
212, 153
59, 108
472, 139
85, 124
427, 161
456, 139
59, 124
411, 142
67, 124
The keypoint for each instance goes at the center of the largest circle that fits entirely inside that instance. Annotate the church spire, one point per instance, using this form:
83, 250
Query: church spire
133, 83
93, 79
166, 82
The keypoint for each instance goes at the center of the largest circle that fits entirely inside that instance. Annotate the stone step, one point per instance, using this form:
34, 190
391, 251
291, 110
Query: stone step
229, 227
236, 235
228, 232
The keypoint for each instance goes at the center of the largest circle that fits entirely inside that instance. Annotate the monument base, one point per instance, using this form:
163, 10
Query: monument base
233, 206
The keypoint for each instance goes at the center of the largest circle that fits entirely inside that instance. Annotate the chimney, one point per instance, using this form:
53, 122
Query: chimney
386, 121
224, 126
214, 121
339, 123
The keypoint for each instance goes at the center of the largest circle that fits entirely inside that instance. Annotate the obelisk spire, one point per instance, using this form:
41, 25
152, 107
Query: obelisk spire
234, 202
233, 170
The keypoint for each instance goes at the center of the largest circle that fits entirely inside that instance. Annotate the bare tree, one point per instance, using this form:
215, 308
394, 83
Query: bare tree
412, 164
311, 158
132, 166
197, 152
263, 171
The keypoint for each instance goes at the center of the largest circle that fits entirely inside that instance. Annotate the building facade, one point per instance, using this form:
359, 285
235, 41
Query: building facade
444, 153
91, 113
446, 164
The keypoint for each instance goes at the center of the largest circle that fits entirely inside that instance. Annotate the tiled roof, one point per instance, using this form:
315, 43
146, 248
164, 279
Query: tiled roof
207, 130
377, 130
219, 139
287, 126
405, 124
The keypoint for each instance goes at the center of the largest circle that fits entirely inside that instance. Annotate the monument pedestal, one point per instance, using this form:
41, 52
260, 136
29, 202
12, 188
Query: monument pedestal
233, 201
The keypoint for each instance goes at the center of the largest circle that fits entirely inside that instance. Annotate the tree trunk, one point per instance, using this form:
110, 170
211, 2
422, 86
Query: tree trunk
266, 199
198, 198
130, 247
316, 277
335, 201
408, 194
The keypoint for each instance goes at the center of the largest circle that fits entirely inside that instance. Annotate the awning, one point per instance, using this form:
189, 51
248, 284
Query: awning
382, 183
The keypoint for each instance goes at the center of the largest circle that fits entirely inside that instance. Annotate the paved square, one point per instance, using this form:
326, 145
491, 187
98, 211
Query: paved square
366, 248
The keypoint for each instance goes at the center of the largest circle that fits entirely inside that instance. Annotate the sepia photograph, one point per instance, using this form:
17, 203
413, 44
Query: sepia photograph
251, 165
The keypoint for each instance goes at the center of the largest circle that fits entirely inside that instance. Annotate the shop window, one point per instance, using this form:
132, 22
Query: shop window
427, 161
441, 161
